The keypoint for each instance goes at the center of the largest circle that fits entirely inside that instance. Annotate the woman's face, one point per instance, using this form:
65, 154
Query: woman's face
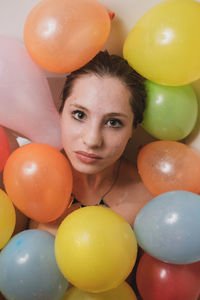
96, 122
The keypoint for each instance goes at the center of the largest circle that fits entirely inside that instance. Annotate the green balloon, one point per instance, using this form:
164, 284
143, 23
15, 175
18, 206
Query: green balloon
171, 112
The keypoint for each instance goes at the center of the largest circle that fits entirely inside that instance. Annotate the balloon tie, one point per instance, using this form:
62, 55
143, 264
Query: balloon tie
111, 15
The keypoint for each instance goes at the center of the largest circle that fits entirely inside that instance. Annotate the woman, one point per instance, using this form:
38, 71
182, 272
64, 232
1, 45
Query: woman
102, 103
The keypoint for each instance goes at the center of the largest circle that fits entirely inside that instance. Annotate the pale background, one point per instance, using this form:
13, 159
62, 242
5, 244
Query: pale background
13, 14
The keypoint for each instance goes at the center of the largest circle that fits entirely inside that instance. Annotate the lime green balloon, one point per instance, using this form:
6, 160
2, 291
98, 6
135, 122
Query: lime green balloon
171, 112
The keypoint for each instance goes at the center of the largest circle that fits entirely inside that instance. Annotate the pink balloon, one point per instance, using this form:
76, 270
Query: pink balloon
26, 104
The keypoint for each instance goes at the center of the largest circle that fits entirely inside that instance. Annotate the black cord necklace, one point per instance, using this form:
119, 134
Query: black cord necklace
111, 187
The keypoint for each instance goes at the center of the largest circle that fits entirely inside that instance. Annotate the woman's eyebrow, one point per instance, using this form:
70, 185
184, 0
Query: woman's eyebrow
117, 114
79, 106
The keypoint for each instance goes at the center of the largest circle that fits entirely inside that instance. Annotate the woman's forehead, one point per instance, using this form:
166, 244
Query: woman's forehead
108, 89
100, 98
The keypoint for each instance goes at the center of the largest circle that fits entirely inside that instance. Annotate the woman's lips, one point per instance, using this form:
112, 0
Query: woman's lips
87, 157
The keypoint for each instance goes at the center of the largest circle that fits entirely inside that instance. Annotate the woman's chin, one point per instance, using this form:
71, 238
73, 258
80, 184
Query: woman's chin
87, 168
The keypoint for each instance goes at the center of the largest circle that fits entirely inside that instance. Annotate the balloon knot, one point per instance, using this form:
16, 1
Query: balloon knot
111, 15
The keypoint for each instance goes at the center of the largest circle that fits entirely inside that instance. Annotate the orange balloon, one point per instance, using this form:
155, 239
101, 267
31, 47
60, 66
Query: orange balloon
38, 179
167, 165
63, 35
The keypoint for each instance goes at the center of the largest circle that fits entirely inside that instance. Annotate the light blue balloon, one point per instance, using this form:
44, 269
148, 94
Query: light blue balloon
28, 269
168, 227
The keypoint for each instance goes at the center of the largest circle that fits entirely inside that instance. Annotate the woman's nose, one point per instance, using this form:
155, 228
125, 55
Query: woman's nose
92, 138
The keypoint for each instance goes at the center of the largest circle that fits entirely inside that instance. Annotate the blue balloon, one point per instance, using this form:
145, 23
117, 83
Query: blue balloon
28, 269
168, 227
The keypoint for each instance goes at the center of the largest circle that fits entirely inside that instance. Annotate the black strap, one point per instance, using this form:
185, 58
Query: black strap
82, 205
103, 203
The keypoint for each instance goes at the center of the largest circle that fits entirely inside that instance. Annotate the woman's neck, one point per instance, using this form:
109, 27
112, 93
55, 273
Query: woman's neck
96, 181
91, 188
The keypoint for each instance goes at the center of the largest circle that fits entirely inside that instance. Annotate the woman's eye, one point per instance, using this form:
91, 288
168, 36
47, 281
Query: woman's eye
115, 123
78, 115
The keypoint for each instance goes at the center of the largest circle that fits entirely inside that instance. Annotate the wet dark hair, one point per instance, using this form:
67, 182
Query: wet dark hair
104, 64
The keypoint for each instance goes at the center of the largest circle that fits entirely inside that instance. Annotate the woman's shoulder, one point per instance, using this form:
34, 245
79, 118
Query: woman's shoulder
130, 179
130, 194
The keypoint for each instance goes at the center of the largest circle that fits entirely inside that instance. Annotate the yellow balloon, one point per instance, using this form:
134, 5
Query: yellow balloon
164, 45
95, 248
7, 218
122, 292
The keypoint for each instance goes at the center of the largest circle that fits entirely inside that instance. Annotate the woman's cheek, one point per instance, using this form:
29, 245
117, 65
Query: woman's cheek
70, 131
117, 145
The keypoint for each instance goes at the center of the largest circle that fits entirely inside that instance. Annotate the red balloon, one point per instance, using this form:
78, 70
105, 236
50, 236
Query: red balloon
169, 166
4, 148
157, 280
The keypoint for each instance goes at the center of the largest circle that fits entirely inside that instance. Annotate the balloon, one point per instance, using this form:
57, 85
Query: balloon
166, 166
168, 227
38, 179
122, 292
25, 99
63, 35
7, 218
163, 46
8, 147
28, 268
12, 138
95, 248
193, 139
171, 112
4, 148
158, 280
